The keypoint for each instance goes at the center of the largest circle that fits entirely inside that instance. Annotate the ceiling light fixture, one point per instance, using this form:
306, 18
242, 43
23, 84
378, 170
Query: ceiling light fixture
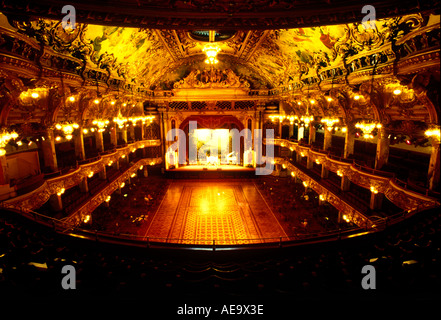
211, 51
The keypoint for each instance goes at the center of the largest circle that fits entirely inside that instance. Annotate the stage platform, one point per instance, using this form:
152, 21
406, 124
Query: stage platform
211, 172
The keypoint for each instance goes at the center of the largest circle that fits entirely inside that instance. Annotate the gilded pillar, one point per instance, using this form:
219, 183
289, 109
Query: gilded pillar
79, 145
382, 153
99, 141
434, 173
312, 131
349, 143
327, 139
49, 152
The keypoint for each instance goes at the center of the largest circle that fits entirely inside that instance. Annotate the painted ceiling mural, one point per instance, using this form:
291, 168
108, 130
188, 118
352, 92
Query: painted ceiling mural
136, 51
155, 59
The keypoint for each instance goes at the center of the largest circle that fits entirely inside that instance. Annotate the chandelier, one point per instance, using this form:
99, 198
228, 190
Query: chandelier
211, 51
329, 122
369, 128
433, 132
67, 128
5, 136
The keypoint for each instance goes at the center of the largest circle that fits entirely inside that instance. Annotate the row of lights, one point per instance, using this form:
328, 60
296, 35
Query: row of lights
36, 95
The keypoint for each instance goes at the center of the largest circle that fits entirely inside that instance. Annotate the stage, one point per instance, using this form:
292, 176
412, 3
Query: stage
229, 171
214, 212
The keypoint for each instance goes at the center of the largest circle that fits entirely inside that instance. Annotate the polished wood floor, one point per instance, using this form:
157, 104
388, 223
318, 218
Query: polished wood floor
226, 212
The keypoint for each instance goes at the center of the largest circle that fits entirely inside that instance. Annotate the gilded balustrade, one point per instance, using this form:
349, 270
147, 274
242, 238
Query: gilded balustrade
36, 198
374, 180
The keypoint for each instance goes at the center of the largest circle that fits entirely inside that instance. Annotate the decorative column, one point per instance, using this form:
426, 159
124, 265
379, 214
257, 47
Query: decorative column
163, 132
434, 172
99, 141
325, 171
124, 134
349, 142
84, 186
114, 135
376, 201
56, 202
327, 139
4, 179
345, 184
382, 153
79, 145
312, 131
49, 152
103, 173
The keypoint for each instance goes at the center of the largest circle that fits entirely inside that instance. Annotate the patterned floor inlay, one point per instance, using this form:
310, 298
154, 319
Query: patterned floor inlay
212, 213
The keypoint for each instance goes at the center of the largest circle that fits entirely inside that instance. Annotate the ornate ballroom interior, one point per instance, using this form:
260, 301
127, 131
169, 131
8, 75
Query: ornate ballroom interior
99, 118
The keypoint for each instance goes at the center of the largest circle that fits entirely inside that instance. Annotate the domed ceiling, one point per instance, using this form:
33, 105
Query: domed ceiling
312, 53
265, 58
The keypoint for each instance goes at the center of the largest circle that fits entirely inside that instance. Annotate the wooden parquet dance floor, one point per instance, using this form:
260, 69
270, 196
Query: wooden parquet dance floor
228, 212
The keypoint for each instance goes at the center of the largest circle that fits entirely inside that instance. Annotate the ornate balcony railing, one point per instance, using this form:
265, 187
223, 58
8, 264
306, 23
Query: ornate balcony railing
36, 198
383, 182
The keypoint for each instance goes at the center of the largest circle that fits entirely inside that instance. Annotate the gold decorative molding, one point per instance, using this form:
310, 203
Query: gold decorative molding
352, 213
383, 182
52, 186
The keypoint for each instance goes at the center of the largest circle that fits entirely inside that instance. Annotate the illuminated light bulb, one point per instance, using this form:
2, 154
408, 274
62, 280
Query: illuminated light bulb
433, 133
374, 190
110, 163
312, 101
90, 175
397, 92
108, 198
35, 95
68, 129
122, 185
124, 104
329, 99
96, 101
344, 129
112, 102
2, 151
299, 103
133, 175
339, 173
57, 138
76, 125
69, 136
86, 219
59, 193
58, 126
19, 143
71, 98
141, 167
356, 97
293, 174
211, 52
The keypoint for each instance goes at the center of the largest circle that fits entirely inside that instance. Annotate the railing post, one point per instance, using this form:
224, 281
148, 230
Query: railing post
214, 245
